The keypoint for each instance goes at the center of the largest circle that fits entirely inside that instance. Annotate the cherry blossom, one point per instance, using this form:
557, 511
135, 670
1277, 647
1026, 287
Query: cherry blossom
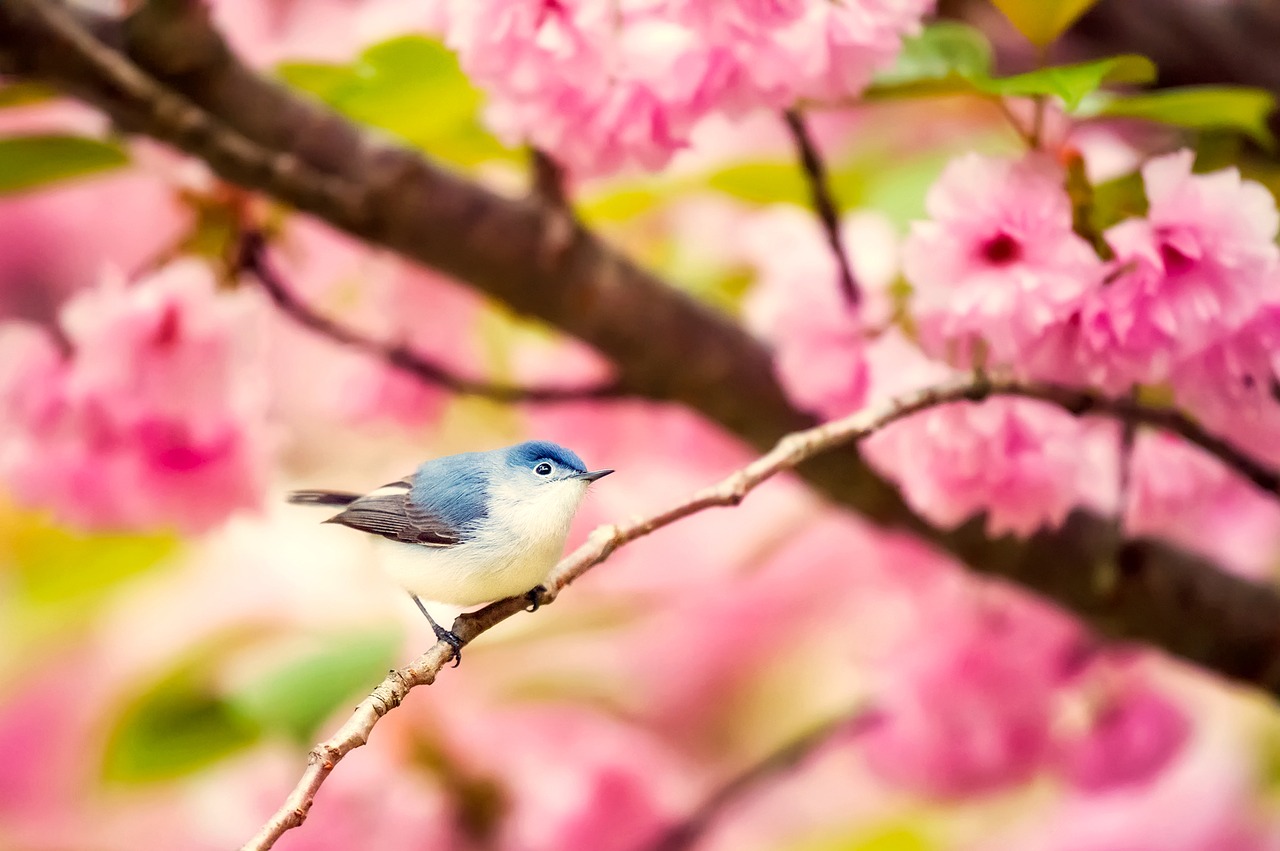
155, 418
997, 263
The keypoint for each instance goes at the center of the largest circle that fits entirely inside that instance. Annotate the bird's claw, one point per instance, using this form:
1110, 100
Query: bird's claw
450, 638
534, 596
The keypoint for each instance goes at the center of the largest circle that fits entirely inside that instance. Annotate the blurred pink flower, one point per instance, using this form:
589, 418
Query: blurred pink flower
156, 418
1231, 386
967, 705
1131, 737
58, 239
796, 305
265, 32
1202, 800
384, 298
1026, 463
998, 260
572, 777
1180, 492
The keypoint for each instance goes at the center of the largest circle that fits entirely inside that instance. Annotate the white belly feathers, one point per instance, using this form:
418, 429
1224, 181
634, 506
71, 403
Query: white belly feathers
501, 559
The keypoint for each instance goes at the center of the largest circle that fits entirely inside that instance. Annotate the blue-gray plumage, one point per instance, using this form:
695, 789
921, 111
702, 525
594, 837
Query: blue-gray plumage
470, 528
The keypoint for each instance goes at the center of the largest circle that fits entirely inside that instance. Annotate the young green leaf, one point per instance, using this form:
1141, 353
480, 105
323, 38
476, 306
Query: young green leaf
178, 725
1238, 108
944, 51
297, 697
1042, 21
28, 162
1072, 83
411, 87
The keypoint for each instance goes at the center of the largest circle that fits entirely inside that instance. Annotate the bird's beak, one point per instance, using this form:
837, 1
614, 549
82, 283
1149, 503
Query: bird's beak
593, 475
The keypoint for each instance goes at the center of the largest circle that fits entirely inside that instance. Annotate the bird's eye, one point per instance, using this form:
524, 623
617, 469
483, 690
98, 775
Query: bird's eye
543, 469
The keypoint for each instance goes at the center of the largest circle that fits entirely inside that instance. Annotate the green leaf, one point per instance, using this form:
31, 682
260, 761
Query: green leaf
1236, 108
1118, 199
27, 162
53, 566
411, 87
177, 726
1042, 21
1072, 83
944, 51
762, 182
299, 696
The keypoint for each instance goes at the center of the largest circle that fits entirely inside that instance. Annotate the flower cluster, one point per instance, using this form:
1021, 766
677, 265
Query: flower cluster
156, 416
604, 83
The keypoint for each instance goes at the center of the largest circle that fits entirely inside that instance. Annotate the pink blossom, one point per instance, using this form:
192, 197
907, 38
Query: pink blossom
154, 419
1180, 492
798, 307
620, 787
1132, 735
835, 48
1231, 386
1197, 269
967, 703
1212, 237
1025, 463
384, 298
1202, 800
266, 32
998, 261
57, 240
607, 84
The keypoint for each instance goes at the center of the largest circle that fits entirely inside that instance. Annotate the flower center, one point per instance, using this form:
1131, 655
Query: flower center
1174, 259
1001, 250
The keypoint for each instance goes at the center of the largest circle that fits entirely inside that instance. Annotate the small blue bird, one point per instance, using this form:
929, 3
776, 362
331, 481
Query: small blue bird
471, 528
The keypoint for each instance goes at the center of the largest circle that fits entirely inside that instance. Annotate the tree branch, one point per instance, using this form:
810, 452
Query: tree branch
787, 454
823, 201
1132, 412
252, 259
190, 91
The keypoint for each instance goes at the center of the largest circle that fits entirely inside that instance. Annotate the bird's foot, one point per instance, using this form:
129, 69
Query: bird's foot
534, 596
451, 638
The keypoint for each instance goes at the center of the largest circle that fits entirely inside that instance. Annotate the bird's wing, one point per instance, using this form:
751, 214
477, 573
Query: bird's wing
392, 513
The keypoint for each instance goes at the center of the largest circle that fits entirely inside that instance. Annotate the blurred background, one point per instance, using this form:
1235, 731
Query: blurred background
174, 637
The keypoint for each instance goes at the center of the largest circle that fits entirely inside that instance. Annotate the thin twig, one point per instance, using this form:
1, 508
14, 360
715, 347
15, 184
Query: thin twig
252, 259
1129, 410
790, 756
789, 452
823, 200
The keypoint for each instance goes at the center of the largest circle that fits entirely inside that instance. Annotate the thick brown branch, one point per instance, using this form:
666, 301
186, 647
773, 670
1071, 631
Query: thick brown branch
824, 204
790, 451
665, 346
253, 260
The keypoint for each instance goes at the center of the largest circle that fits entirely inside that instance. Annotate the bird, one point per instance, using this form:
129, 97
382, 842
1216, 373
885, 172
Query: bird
470, 528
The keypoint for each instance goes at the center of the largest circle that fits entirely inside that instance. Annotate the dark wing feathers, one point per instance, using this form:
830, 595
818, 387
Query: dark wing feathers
391, 513
322, 497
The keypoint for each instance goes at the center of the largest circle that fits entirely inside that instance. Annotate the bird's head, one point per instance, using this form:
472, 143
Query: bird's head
539, 487
540, 463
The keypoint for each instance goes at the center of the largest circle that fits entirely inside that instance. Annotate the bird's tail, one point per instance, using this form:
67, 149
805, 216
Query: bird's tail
330, 498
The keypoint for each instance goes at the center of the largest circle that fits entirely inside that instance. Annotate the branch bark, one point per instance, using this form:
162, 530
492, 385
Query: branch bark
170, 76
